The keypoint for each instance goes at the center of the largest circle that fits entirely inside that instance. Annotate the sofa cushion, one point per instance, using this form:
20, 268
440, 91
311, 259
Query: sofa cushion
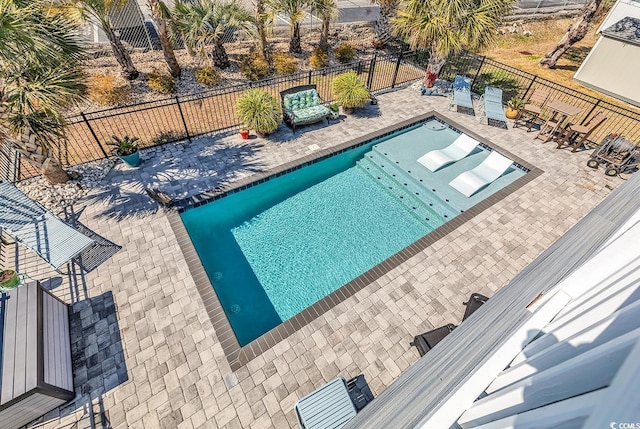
301, 100
310, 113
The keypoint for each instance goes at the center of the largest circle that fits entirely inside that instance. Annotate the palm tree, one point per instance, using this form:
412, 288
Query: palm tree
382, 28
327, 11
204, 22
39, 76
161, 16
100, 12
448, 26
261, 28
294, 10
574, 34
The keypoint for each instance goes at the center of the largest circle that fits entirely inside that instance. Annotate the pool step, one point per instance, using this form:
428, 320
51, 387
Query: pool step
427, 195
409, 200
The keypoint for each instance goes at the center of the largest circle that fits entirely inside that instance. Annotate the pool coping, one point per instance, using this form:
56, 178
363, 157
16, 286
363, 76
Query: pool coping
237, 355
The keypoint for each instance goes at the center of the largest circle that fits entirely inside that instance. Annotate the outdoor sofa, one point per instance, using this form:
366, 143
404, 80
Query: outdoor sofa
302, 105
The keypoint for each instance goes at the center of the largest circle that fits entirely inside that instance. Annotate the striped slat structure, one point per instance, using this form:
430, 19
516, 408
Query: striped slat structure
38, 229
35, 355
328, 407
557, 346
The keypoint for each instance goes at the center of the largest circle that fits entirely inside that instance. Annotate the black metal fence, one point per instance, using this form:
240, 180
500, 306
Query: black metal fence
184, 117
517, 83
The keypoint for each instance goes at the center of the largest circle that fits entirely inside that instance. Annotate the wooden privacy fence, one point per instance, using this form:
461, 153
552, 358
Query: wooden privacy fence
185, 117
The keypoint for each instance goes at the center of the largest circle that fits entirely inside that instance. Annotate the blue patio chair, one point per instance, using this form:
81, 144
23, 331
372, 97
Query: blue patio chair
461, 97
491, 107
37, 229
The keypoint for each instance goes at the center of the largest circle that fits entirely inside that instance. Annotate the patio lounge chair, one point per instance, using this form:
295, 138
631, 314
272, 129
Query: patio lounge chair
491, 106
428, 340
580, 133
37, 229
531, 110
470, 182
461, 97
460, 148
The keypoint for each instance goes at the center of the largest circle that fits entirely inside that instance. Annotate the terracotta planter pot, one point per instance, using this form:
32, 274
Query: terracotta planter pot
511, 113
244, 135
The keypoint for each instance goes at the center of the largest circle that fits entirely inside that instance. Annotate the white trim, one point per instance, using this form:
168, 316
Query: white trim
560, 382
463, 398
622, 403
551, 415
619, 323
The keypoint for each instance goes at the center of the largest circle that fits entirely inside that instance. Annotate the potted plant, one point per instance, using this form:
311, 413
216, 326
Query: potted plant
334, 108
259, 110
513, 106
350, 91
244, 133
9, 279
127, 149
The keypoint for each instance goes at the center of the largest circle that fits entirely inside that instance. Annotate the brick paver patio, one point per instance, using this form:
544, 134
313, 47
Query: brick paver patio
145, 351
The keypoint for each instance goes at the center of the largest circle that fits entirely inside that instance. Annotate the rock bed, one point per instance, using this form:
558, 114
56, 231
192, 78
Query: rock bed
58, 197
360, 36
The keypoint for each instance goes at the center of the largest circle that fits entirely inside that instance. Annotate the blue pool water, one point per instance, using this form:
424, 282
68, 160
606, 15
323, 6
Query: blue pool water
276, 248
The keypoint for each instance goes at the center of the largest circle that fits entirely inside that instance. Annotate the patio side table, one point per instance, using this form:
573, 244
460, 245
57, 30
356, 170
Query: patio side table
561, 111
328, 407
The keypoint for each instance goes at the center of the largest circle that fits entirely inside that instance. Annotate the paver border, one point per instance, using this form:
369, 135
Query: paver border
238, 356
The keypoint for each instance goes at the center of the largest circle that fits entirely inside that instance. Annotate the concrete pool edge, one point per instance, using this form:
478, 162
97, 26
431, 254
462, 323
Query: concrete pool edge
238, 356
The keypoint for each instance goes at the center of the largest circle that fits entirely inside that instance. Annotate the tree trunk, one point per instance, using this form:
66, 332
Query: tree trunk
262, 31
324, 35
219, 55
38, 156
127, 68
165, 41
574, 34
435, 64
294, 45
382, 27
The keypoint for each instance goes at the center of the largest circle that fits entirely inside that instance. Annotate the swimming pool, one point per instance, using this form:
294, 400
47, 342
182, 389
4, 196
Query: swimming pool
276, 248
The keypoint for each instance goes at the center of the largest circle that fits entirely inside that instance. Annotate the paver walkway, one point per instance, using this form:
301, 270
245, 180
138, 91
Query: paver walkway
145, 351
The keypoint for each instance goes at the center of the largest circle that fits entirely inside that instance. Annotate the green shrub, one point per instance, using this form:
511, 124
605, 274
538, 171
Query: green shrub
350, 91
254, 67
161, 82
345, 53
104, 90
284, 63
207, 76
124, 145
259, 110
319, 59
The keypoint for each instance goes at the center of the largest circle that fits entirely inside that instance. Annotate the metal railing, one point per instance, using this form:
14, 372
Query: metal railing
185, 117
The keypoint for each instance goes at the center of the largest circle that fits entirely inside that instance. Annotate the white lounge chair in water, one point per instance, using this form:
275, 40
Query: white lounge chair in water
469, 182
460, 148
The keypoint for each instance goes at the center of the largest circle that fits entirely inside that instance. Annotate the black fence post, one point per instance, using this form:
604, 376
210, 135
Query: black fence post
590, 111
372, 67
359, 68
186, 130
395, 73
477, 72
309, 77
93, 133
524, 96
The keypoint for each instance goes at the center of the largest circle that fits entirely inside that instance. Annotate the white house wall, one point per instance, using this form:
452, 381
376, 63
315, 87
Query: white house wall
612, 68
